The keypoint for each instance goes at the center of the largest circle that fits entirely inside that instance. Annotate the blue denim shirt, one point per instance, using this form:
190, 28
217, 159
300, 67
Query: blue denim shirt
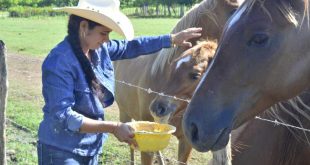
68, 98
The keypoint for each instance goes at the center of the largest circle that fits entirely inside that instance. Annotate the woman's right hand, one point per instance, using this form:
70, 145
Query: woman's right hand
181, 38
125, 133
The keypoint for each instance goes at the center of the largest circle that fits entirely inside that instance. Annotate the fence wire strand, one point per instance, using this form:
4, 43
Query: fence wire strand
147, 90
277, 123
150, 91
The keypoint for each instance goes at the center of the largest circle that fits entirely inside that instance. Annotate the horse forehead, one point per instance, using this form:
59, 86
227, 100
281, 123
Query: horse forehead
236, 17
265, 7
183, 60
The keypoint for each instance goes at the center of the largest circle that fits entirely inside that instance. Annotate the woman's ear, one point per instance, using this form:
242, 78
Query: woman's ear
84, 26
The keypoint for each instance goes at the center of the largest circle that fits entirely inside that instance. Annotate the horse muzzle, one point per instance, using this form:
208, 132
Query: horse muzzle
161, 109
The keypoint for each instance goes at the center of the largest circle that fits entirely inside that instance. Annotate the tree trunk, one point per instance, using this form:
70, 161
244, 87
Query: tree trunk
182, 11
157, 9
3, 99
169, 10
165, 12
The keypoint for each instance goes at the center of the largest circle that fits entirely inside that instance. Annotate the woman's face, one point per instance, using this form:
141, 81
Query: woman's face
93, 38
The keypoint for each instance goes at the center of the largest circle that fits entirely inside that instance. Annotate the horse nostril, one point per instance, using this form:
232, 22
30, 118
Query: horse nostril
161, 110
194, 132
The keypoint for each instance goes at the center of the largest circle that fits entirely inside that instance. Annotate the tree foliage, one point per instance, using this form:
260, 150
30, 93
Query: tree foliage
4, 4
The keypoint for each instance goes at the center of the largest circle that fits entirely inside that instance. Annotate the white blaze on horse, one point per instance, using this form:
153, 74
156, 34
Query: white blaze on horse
262, 58
158, 71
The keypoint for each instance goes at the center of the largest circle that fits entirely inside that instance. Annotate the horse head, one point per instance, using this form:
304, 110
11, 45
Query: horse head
263, 58
183, 77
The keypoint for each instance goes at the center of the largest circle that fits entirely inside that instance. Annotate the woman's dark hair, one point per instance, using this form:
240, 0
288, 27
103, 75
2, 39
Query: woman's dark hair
74, 40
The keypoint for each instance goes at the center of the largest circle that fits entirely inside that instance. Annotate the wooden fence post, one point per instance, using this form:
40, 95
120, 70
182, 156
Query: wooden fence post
3, 99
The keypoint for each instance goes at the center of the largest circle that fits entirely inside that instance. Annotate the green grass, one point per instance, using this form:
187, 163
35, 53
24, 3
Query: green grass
21, 146
25, 112
32, 36
36, 36
4, 14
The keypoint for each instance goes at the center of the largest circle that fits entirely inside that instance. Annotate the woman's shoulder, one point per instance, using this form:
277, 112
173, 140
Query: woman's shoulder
61, 54
63, 48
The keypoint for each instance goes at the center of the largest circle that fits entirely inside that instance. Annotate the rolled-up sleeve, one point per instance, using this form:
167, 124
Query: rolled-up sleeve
123, 49
58, 86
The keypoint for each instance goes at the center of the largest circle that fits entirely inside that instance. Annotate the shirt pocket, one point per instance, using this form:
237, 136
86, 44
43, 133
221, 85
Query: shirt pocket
83, 99
107, 68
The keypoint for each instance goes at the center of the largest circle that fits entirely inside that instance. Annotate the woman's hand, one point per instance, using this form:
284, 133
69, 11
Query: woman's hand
181, 38
124, 133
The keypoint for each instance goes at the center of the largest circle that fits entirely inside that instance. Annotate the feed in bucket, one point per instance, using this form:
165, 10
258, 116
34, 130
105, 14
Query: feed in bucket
151, 136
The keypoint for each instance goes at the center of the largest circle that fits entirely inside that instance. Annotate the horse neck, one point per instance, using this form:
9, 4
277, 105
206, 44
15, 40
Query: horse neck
195, 15
294, 143
299, 72
306, 39
291, 151
211, 15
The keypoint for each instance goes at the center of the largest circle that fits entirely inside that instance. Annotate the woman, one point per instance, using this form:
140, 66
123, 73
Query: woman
78, 81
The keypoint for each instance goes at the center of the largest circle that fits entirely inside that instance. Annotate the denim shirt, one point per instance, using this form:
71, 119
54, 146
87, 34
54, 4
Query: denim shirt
68, 97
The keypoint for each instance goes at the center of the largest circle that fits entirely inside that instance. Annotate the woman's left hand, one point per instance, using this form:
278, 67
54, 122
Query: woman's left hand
125, 133
181, 38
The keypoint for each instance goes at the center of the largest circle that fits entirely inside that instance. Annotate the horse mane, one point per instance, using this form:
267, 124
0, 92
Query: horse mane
285, 9
306, 12
199, 11
298, 111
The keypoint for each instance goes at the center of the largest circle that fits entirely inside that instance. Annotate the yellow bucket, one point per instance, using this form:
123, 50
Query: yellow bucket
151, 136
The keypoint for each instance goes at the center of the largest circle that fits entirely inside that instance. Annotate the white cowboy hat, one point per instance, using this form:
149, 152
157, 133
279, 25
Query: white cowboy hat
105, 12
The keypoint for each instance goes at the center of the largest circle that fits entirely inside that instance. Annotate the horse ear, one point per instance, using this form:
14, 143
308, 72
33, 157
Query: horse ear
185, 54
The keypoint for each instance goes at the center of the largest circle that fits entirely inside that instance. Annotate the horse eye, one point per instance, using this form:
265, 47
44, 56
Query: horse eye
194, 76
259, 40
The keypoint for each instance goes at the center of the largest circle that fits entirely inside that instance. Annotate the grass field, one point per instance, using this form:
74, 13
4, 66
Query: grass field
28, 42
36, 36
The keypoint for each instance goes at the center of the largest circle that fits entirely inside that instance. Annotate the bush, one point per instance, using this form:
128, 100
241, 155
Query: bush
25, 11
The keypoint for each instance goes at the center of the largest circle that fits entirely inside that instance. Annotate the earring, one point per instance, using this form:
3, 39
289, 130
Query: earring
83, 35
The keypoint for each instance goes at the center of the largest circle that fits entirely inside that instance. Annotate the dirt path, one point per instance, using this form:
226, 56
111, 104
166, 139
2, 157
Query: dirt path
27, 70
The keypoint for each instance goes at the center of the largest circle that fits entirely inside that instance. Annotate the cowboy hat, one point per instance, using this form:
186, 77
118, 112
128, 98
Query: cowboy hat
104, 12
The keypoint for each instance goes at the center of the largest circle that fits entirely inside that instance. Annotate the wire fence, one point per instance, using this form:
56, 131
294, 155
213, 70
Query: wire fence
150, 91
276, 122
147, 90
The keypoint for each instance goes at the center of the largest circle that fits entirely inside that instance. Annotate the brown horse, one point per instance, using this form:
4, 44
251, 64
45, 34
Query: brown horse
153, 71
259, 142
262, 58
184, 75
193, 63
